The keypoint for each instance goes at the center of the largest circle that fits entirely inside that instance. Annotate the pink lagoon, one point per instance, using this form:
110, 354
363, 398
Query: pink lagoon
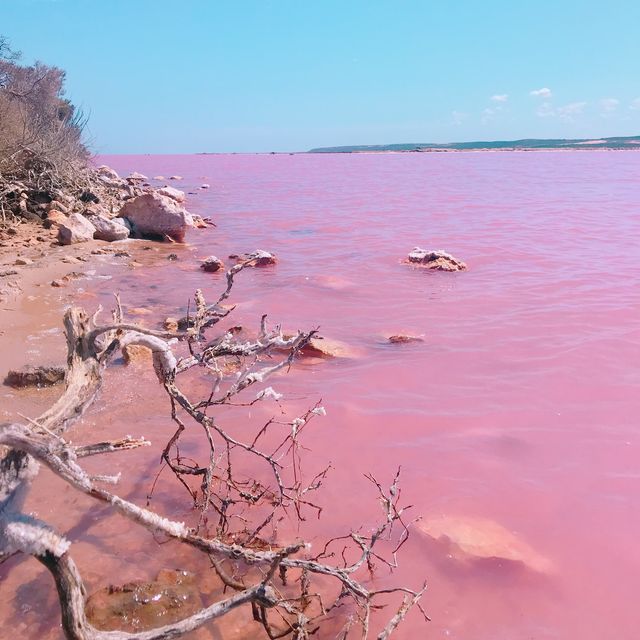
518, 410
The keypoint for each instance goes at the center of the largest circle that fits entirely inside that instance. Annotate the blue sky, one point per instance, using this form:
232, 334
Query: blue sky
184, 76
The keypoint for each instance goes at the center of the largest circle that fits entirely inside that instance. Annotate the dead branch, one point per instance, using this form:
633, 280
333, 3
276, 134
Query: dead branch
235, 545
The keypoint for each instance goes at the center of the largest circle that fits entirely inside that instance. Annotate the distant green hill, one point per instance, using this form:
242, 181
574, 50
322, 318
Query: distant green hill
629, 142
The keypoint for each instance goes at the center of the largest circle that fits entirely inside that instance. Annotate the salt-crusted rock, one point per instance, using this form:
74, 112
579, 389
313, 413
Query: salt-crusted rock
157, 216
466, 538
35, 376
205, 186
173, 193
437, 260
158, 177
212, 264
136, 353
139, 606
109, 229
74, 229
175, 177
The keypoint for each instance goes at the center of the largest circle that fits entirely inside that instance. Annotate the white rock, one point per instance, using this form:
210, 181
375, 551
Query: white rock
173, 193
157, 216
74, 229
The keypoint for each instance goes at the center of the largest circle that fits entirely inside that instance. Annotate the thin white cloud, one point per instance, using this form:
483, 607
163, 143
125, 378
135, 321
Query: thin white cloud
500, 97
569, 110
609, 105
545, 110
635, 105
545, 93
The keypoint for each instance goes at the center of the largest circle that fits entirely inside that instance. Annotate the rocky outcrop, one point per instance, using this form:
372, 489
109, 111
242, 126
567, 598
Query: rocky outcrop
75, 228
437, 260
109, 230
212, 264
35, 376
152, 215
258, 258
402, 338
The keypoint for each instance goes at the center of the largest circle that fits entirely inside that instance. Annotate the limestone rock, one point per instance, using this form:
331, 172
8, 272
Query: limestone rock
156, 216
108, 229
212, 264
437, 260
31, 376
481, 538
74, 229
171, 324
107, 172
173, 193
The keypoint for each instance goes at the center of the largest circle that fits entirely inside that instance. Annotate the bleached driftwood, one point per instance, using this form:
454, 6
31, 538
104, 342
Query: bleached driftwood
23, 447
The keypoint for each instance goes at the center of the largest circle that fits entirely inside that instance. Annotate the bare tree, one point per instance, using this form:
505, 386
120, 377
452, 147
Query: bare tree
278, 582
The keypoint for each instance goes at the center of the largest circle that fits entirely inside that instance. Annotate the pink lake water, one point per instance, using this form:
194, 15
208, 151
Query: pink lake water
521, 406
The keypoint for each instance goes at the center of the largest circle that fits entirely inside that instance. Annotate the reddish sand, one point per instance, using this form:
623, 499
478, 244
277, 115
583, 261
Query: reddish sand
520, 407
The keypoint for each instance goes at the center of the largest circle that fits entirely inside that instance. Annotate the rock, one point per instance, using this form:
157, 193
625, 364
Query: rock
21, 262
171, 324
327, 348
205, 186
158, 177
436, 260
109, 230
136, 177
139, 311
258, 258
75, 229
480, 538
157, 216
212, 264
107, 172
199, 222
58, 283
139, 606
401, 338
171, 192
175, 177
172, 256
56, 217
54, 205
135, 353
31, 376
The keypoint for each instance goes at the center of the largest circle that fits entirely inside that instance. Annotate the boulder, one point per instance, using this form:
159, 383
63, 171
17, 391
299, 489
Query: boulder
467, 538
205, 186
31, 376
437, 260
171, 192
136, 177
212, 264
140, 606
157, 216
327, 348
258, 258
158, 177
175, 177
109, 229
74, 229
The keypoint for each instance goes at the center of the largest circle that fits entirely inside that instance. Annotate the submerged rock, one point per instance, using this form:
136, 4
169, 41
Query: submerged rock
402, 338
157, 216
437, 260
136, 353
467, 538
31, 376
212, 264
138, 606
75, 229
258, 258
327, 348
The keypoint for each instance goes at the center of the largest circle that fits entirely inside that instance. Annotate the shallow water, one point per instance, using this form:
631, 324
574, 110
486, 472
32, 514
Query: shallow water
520, 406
